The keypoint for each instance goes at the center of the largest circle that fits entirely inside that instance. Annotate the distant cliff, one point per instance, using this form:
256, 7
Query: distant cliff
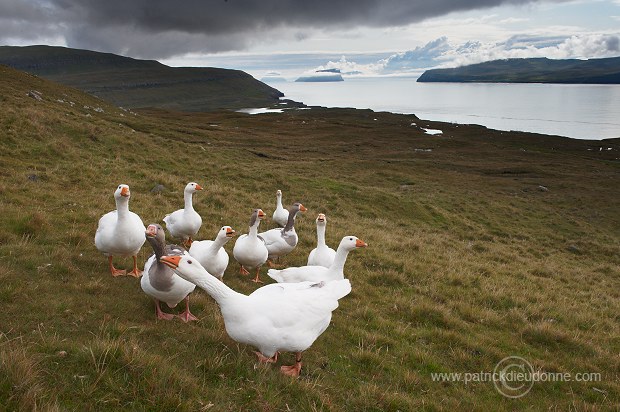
325, 75
538, 70
134, 83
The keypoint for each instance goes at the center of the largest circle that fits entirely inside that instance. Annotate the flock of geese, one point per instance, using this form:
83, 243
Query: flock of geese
287, 316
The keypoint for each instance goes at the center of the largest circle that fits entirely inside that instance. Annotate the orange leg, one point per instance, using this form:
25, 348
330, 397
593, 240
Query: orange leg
243, 271
116, 272
187, 315
136, 273
256, 279
161, 314
274, 265
188, 243
293, 370
263, 359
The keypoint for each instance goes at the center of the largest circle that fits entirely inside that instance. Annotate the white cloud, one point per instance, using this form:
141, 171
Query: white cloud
441, 53
351, 68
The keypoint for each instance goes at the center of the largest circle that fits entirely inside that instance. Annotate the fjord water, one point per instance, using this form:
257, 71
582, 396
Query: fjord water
579, 111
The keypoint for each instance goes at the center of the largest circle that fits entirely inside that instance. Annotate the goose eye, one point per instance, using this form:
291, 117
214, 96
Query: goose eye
189, 262
351, 239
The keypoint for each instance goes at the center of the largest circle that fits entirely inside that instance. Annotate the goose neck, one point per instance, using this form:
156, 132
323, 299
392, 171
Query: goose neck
219, 242
122, 207
254, 229
187, 197
339, 259
320, 235
216, 289
290, 223
158, 247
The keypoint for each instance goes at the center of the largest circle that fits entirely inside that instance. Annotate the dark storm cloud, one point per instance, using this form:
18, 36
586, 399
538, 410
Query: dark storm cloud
163, 28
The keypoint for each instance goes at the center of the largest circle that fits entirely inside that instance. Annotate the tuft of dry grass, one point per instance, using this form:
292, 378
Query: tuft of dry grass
22, 379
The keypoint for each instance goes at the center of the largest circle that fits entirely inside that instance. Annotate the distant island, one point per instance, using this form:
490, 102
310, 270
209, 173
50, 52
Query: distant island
134, 83
325, 75
535, 70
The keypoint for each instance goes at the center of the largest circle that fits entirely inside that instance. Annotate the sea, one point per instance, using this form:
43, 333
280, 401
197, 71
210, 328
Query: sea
577, 111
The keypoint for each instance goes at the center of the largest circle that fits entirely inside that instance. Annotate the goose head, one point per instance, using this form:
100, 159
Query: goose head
226, 232
192, 187
155, 231
351, 242
185, 266
279, 194
297, 207
321, 220
122, 192
257, 216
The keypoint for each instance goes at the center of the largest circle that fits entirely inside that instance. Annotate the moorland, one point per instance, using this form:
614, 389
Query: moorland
482, 244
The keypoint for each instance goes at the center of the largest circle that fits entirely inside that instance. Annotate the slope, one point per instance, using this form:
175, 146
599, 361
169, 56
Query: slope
482, 245
136, 83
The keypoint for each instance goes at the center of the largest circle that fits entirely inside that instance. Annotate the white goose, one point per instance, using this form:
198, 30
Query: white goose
319, 273
250, 250
185, 223
281, 241
280, 215
160, 282
274, 318
121, 232
211, 253
321, 255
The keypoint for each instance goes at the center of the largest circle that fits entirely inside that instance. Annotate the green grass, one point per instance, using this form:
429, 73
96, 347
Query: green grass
468, 260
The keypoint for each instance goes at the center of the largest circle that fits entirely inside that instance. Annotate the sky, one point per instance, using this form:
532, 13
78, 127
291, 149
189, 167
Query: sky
289, 38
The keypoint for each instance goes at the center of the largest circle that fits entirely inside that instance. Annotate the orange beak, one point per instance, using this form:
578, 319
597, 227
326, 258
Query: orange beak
230, 232
151, 231
261, 214
198, 187
360, 243
321, 217
172, 261
302, 208
125, 191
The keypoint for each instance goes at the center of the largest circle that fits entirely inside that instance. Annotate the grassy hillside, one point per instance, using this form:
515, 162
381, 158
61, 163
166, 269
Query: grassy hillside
534, 70
482, 245
136, 83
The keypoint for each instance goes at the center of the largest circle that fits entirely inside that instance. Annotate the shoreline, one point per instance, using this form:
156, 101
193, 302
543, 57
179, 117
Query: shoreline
538, 108
295, 105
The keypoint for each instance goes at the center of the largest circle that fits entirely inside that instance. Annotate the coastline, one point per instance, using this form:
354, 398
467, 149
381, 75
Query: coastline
538, 108
295, 105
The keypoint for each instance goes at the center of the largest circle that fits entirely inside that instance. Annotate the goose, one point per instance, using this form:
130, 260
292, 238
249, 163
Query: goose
185, 223
121, 232
160, 282
321, 255
274, 318
250, 250
211, 253
319, 273
280, 215
281, 241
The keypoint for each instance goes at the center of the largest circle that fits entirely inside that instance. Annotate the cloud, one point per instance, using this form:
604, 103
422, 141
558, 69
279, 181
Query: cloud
164, 28
418, 58
592, 45
440, 53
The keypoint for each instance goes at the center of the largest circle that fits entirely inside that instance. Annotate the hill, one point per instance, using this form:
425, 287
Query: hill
482, 245
133, 83
536, 70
